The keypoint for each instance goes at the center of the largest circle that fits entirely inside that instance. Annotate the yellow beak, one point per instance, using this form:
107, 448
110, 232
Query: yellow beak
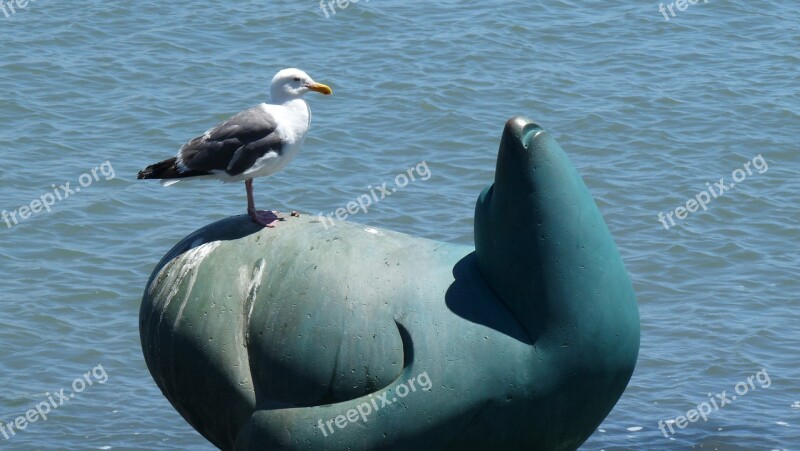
320, 88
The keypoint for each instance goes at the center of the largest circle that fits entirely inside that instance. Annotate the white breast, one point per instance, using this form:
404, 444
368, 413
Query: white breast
294, 119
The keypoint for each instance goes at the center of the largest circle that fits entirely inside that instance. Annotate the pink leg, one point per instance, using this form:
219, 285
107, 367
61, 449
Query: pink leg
264, 218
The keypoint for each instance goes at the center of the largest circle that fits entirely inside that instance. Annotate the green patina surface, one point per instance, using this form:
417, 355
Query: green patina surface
302, 337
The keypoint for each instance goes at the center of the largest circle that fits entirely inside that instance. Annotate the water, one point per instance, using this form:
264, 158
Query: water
648, 110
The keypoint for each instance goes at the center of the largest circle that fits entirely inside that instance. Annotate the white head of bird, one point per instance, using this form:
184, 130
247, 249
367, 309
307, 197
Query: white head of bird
290, 84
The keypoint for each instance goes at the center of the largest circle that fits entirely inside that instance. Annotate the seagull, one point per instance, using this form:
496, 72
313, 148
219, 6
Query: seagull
253, 143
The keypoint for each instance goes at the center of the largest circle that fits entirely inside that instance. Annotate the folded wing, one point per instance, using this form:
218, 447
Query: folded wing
232, 146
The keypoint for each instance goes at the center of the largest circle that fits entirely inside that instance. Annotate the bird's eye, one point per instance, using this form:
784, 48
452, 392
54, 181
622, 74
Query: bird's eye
296, 78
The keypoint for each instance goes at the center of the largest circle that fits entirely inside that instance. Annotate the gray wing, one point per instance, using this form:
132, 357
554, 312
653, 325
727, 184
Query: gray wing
234, 145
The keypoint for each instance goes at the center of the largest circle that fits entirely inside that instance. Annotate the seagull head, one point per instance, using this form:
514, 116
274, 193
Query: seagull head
290, 84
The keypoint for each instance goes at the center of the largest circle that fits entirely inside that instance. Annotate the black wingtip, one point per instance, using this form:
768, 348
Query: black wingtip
167, 169
161, 170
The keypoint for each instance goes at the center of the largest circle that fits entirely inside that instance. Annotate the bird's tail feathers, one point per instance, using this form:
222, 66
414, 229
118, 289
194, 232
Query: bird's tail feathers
167, 171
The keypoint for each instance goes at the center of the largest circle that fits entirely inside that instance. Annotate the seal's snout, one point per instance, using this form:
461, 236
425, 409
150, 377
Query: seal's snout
524, 142
521, 131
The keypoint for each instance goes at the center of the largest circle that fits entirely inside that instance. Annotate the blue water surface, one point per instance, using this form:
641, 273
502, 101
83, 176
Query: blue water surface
649, 110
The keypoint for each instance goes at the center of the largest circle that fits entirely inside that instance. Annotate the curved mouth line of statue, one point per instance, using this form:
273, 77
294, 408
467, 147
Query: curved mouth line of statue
259, 336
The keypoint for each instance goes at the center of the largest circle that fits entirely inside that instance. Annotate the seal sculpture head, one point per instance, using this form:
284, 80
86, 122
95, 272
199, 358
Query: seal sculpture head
543, 247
